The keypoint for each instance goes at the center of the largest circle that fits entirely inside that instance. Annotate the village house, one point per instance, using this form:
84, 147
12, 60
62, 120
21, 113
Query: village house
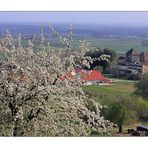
144, 58
132, 56
90, 77
121, 60
144, 69
132, 64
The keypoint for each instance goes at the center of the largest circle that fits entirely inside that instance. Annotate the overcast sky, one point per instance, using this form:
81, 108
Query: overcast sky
129, 18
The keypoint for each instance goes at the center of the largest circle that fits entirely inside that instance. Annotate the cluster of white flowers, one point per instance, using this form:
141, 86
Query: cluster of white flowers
20, 40
103, 57
42, 94
9, 39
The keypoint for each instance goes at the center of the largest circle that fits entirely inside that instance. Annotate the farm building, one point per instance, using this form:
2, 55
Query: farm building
144, 69
144, 58
133, 62
90, 77
121, 60
132, 56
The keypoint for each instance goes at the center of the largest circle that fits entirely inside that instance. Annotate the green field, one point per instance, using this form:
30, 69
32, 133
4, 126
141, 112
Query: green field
115, 89
119, 89
119, 45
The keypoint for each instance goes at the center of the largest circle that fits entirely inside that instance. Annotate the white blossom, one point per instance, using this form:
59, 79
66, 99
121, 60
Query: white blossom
44, 94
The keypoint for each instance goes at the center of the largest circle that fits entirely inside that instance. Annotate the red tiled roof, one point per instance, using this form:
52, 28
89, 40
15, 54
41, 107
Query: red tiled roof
87, 75
93, 75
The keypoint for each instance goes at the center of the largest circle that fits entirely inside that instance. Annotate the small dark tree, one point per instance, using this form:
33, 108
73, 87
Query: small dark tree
119, 112
141, 107
117, 115
104, 63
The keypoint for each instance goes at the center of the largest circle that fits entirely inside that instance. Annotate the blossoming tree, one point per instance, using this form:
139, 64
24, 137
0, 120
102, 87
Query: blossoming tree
38, 99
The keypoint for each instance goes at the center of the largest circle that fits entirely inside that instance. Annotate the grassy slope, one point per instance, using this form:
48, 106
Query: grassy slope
116, 88
109, 93
106, 94
123, 88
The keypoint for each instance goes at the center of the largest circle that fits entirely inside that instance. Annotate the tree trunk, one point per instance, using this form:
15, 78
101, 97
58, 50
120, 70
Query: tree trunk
104, 68
17, 121
120, 129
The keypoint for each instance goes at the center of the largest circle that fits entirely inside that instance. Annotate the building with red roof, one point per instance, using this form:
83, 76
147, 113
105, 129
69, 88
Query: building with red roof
90, 77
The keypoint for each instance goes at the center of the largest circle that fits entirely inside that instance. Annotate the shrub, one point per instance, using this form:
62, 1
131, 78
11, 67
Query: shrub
142, 87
